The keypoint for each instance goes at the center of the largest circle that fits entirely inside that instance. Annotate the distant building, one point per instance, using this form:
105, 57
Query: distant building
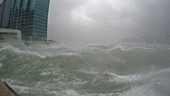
28, 16
10, 35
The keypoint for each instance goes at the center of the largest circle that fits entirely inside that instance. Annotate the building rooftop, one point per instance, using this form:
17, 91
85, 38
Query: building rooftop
3, 30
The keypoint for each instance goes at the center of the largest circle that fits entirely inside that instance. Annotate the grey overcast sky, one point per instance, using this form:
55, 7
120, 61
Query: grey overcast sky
108, 20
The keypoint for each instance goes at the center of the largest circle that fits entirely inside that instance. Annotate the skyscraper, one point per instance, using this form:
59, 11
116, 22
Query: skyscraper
29, 16
4, 13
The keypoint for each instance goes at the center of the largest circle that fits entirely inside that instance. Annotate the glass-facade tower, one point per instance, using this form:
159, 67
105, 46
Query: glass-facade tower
4, 14
29, 16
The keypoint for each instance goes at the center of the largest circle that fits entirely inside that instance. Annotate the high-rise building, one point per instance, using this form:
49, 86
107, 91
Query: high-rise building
4, 13
29, 16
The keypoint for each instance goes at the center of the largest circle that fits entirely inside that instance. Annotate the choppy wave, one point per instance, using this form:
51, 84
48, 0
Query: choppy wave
74, 69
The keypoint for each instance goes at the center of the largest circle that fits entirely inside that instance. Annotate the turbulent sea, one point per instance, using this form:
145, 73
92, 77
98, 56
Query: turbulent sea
83, 69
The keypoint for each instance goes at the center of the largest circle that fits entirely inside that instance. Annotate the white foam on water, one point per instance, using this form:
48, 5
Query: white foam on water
68, 54
41, 55
124, 78
115, 77
71, 93
125, 48
158, 74
144, 90
45, 73
89, 72
64, 93
17, 50
54, 92
74, 93
154, 84
22, 89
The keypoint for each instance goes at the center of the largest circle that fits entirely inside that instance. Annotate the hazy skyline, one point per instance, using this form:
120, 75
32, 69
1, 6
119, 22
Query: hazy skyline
107, 20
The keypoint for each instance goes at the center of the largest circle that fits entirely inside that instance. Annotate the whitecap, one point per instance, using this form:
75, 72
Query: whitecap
45, 73
144, 90
35, 53
69, 54
164, 73
71, 93
89, 72
17, 50
22, 89
126, 48
124, 78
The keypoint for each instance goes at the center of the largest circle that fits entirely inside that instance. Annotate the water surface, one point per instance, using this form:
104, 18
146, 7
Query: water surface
83, 69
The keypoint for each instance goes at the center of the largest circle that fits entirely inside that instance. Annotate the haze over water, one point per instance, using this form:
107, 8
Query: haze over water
84, 69
141, 68
109, 20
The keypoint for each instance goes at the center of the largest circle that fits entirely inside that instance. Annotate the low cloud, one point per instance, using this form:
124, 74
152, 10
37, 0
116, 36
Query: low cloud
107, 20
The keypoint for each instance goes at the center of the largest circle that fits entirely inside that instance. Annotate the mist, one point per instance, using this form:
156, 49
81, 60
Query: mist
108, 20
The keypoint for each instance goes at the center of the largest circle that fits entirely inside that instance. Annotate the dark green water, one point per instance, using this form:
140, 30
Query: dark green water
75, 69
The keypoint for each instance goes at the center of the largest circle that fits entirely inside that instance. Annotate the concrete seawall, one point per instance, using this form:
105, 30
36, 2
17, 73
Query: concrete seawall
5, 90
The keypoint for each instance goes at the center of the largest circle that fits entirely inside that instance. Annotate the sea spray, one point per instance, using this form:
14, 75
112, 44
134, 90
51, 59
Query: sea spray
76, 69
